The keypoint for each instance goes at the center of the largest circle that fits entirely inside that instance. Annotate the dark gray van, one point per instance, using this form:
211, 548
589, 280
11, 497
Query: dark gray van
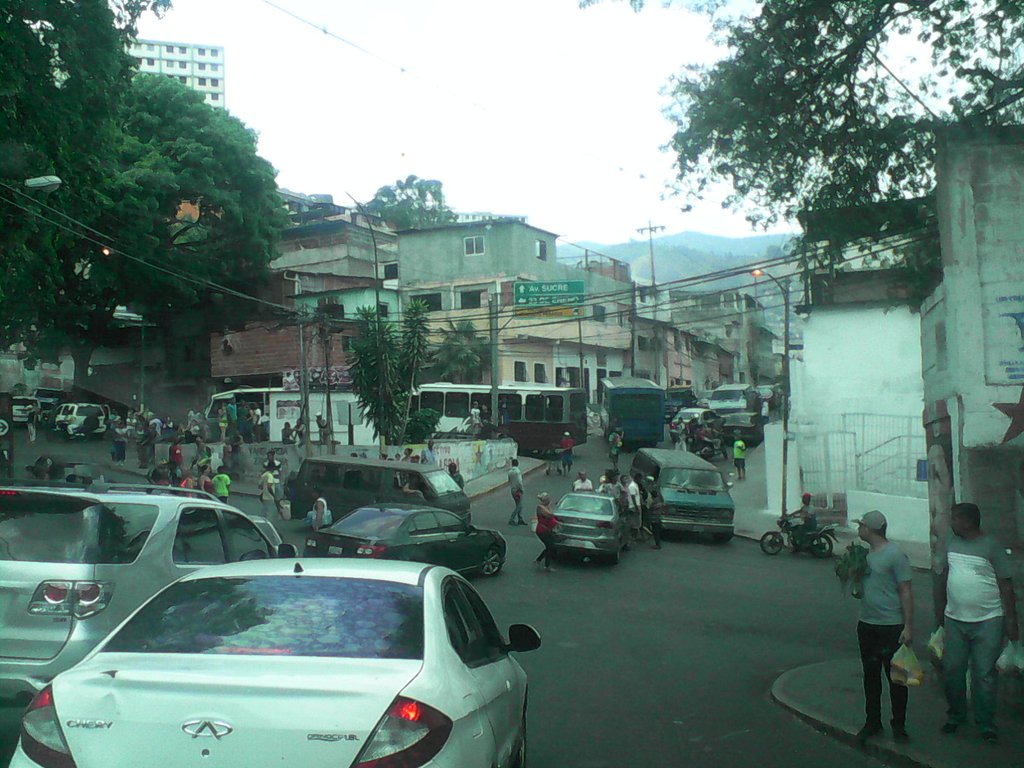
348, 483
696, 494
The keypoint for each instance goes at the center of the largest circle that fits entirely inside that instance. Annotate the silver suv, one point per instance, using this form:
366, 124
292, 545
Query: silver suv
75, 563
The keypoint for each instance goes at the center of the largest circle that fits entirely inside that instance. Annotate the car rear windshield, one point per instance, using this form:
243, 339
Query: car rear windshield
370, 523
442, 483
89, 410
693, 479
43, 528
279, 616
739, 420
587, 504
728, 396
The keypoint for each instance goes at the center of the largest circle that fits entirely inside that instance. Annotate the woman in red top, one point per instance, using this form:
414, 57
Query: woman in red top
546, 522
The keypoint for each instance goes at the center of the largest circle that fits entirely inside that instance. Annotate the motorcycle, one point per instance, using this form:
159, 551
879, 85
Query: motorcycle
820, 543
708, 447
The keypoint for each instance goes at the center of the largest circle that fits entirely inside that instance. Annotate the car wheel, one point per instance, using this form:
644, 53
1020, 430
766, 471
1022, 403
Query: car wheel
616, 557
491, 564
519, 761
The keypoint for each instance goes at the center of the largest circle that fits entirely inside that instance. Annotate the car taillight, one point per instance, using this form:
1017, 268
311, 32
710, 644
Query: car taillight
371, 550
604, 524
65, 598
41, 737
410, 734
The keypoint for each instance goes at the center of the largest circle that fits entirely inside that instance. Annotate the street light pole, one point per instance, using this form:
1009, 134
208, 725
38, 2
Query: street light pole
785, 381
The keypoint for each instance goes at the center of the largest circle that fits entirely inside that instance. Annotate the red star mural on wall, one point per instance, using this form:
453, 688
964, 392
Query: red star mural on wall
1016, 413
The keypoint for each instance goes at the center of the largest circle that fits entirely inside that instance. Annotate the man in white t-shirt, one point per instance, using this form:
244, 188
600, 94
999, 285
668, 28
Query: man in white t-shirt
979, 608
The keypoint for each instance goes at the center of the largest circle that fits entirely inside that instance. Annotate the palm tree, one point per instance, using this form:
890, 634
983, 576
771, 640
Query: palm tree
461, 356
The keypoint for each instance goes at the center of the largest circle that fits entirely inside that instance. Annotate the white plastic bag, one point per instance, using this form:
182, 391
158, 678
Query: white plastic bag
936, 643
1008, 661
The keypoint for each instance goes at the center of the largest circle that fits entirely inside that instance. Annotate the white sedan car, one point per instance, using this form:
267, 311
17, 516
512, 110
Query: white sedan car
293, 662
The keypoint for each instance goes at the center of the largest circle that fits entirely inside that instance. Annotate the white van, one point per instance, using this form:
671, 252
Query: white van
735, 398
70, 418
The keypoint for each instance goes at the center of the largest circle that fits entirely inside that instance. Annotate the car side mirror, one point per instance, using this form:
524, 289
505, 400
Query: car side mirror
287, 551
523, 638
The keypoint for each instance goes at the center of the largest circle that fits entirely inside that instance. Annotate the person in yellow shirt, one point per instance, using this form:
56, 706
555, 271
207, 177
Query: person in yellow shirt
739, 459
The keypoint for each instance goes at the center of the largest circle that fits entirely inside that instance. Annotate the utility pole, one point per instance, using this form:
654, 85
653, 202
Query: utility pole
785, 379
492, 321
579, 333
304, 389
326, 336
650, 229
632, 332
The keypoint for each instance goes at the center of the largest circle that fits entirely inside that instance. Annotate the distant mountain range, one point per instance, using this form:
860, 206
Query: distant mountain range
690, 254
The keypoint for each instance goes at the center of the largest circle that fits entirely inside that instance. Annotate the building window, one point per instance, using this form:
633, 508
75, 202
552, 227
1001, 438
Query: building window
215, 67
599, 313
521, 374
540, 373
678, 343
542, 250
391, 271
215, 96
182, 65
214, 52
202, 81
202, 51
432, 300
473, 246
215, 82
151, 62
602, 358
202, 67
183, 79
642, 342
149, 46
382, 309
170, 49
470, 299
182, 49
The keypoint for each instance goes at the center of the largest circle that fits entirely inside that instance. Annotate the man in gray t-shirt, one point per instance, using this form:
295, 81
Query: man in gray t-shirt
885, 623
978, 608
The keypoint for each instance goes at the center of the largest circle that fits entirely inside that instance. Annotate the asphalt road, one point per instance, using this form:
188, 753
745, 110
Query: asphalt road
667, 658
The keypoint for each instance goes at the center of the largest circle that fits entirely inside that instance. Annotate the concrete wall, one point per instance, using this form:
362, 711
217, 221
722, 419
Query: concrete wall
907, 517
973, 334
858, 360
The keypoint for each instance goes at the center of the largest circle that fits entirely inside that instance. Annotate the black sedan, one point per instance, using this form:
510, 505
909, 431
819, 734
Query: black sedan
411, 532
748, 427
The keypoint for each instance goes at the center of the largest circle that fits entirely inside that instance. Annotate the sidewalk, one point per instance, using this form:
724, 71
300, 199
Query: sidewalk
830, 696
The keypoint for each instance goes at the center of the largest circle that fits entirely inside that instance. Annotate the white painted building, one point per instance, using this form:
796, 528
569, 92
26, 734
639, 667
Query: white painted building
200, 67
857, 403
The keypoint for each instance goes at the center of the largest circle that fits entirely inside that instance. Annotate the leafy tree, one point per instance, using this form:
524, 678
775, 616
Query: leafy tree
810, 110
386, 364
183, 193
414, 203
462, 354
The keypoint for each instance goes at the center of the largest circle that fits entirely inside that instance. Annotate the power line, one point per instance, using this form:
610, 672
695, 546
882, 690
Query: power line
688, 282
114, 250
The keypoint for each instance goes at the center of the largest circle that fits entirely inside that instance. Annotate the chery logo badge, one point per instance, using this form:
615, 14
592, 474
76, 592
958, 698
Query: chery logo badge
206, 728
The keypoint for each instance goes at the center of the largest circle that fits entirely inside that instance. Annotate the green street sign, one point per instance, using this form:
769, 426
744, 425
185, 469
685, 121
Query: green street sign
548, 293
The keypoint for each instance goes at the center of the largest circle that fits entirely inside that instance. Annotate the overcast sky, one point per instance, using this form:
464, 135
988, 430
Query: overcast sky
529, 107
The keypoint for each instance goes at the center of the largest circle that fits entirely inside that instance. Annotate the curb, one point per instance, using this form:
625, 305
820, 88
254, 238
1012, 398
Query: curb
883, 747
503, 483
